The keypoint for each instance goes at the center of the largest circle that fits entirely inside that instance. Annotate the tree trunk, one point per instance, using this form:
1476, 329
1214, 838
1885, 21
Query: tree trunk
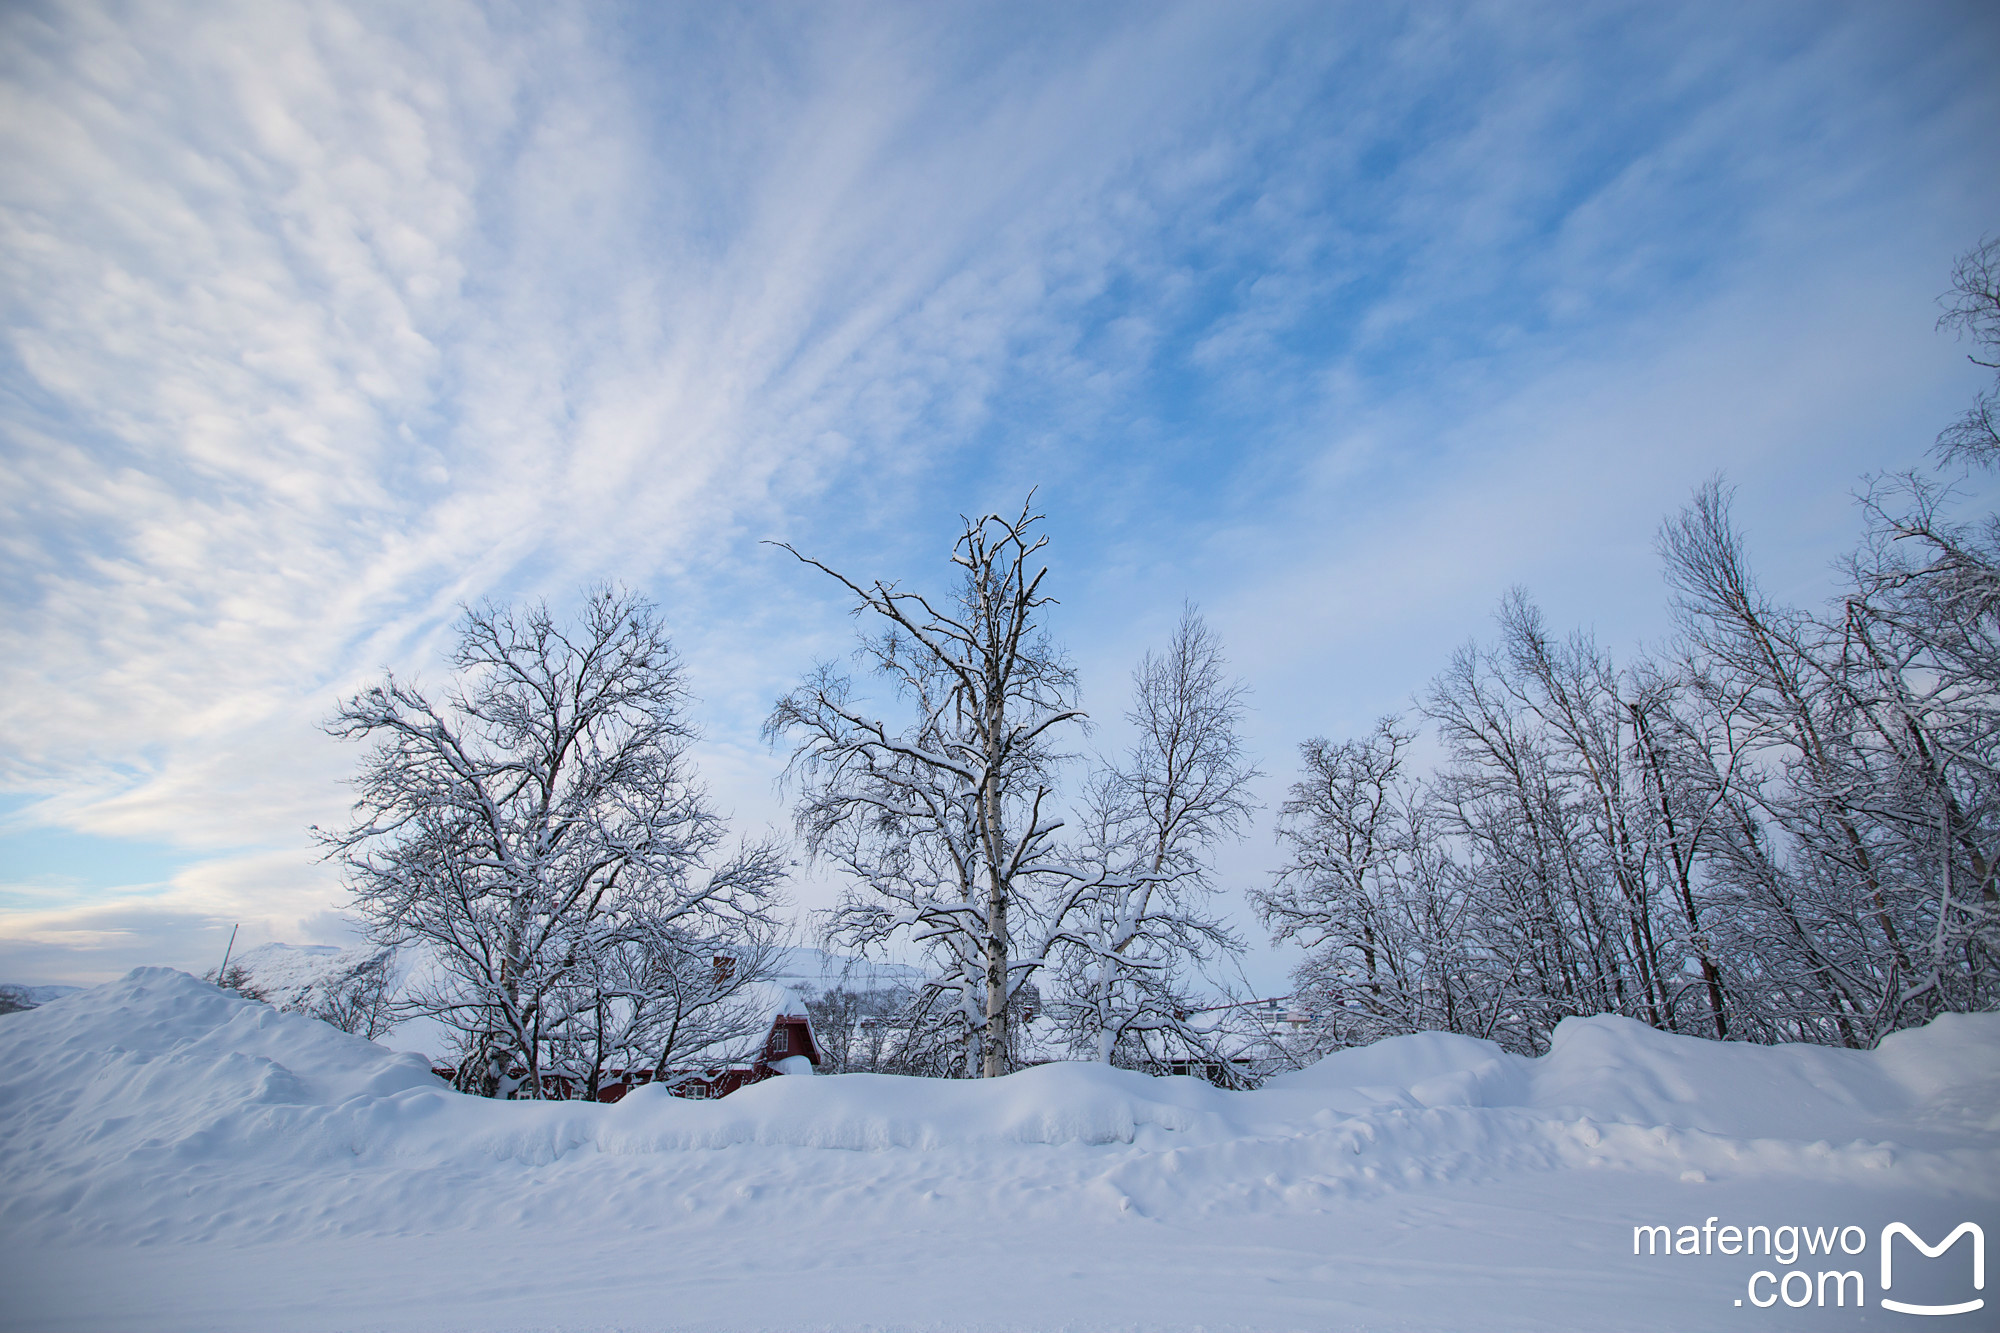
995, 1061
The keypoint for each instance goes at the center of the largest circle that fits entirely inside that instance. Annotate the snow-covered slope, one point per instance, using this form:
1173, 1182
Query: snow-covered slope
15, 998
814, 970
295, 976
180, 1158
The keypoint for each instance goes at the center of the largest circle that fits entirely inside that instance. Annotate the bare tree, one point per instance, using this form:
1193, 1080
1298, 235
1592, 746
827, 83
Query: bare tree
1920, 667
656, 993
1562, 861
1141, 919
1685, 756
1368, 893
1806, 846
538, 824
863, 1030
1973, 309
1787, 830
357, 999
941, 819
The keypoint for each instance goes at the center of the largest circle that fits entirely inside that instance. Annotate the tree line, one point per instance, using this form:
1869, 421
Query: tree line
1784, 826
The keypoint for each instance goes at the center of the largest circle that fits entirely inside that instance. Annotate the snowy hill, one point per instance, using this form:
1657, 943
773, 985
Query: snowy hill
15, 998
181, 1158
295, 976
815, 971
290, 975
305, 977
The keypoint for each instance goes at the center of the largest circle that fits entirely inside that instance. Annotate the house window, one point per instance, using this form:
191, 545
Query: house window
781, 1041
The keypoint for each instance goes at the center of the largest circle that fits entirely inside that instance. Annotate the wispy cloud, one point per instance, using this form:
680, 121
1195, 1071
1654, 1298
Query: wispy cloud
321, 318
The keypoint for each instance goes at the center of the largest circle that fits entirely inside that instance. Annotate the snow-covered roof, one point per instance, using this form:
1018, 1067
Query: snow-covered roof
775, 1000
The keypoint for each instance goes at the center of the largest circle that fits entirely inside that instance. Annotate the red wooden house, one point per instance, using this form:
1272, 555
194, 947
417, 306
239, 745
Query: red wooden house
789, 1048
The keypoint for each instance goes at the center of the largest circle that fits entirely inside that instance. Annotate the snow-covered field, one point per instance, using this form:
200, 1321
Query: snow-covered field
176, 1158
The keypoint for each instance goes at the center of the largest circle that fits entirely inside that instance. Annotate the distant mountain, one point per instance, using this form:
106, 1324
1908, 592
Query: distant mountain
298, 976
815, 971
302, 976
14, 999
288, 975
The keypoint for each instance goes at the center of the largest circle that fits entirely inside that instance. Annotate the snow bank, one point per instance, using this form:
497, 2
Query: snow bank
159, 1073
157, 1109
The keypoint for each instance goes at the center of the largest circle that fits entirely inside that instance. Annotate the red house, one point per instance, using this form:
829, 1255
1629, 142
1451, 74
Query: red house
789, 1048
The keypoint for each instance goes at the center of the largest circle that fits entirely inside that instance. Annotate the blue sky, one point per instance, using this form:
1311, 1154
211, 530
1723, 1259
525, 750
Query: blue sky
321, 319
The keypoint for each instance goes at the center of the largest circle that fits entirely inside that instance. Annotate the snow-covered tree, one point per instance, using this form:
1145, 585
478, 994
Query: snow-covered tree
538, 831
1787, 830
1142, 917
864, 1029
358, 997
1972, 308
1366, 892
939, 809
1865, 831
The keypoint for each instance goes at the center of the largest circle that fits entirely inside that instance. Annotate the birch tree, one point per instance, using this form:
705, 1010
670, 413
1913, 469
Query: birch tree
1787, 829
1370, 893
941, 812
1142, 918
1807, 848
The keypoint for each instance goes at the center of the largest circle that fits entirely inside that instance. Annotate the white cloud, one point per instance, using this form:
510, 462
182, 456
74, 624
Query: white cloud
323, 317
324, 322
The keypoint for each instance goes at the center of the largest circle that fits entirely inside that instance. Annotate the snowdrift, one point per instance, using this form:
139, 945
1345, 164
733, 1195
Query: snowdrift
157, 1110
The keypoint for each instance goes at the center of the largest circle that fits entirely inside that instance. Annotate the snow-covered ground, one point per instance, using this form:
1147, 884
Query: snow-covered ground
177, 1158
